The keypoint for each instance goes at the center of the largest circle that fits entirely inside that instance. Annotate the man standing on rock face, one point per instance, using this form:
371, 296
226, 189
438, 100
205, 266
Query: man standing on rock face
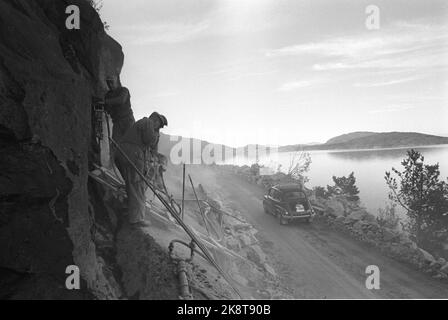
140, 143
117, 103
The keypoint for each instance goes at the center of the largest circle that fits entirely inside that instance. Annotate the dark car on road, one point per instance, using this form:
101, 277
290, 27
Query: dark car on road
288, 202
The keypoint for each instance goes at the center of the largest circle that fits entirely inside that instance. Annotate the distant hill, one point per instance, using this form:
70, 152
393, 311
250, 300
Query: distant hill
295, 147
372, 140
350, 136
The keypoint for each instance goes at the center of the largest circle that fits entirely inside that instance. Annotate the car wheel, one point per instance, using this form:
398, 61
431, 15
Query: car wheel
282, 220
265, 209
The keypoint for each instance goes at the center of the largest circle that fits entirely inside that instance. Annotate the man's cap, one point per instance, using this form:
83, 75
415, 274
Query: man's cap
162, 118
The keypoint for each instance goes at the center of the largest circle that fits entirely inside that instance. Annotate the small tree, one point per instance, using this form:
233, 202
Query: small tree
299, 164
387, 217
342, 186
418, 189
346, 186
320, 192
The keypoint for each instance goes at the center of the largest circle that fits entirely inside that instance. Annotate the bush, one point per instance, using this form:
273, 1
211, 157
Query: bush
320, 192
255, 169
419, 190
387, 217
345, 186
299, 165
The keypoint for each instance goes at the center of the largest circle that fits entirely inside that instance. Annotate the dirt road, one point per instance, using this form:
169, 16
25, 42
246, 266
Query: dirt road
316, 262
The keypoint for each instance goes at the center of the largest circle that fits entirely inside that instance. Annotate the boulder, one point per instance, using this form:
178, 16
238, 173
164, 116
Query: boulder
427, 257
256, 255
349, 206
238, 226
390, 235
444, 269
404, 238
227, 230
370, 235
349, 221
406, 241
373, 226
359, 214
358, 226
233, 244
335, 208
339, 220
270, 270
402, 252
370, 218
252, 232
246, 239
435, 265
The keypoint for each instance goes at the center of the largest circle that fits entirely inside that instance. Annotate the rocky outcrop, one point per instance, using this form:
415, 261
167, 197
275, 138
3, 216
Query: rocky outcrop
48, 77
147, 272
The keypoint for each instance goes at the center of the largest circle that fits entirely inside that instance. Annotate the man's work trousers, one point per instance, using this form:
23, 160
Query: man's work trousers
120, 127
135, 185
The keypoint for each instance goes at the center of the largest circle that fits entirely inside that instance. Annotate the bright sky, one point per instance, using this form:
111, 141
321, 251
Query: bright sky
284, 71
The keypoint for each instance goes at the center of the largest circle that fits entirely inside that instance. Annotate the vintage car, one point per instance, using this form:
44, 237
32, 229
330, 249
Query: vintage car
288, 202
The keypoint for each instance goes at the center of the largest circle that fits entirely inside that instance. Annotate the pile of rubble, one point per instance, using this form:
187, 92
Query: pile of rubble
239, 236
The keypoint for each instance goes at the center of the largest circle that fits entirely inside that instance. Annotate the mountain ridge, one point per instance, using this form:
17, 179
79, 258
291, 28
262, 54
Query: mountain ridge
351, 140
372, 140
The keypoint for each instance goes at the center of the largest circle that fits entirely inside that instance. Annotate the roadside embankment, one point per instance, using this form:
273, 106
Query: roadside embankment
351, 218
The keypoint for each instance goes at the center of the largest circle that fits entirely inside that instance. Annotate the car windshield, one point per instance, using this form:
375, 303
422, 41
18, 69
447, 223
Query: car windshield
294, 195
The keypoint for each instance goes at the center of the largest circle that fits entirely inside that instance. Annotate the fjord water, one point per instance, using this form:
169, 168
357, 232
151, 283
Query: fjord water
369, 167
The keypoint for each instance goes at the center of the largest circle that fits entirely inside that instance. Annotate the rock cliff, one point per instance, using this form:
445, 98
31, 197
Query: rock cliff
48, 78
